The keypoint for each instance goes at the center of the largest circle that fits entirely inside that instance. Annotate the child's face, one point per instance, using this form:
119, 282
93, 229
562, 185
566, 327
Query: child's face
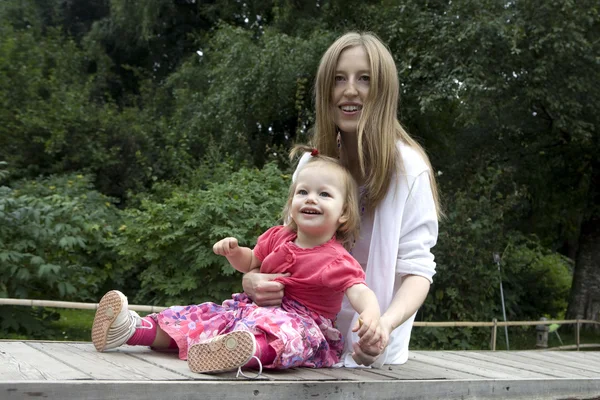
351, 87
318, 201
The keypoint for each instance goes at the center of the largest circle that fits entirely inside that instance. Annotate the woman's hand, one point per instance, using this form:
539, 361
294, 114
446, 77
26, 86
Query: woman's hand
262, 289
366, 352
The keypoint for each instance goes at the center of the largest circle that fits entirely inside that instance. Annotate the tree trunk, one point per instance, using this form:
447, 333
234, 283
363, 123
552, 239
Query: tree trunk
584, 302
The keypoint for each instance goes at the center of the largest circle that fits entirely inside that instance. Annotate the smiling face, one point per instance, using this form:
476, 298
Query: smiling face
351, 87
318, 201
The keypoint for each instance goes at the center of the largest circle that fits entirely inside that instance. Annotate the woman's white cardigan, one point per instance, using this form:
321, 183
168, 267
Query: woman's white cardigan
405, 228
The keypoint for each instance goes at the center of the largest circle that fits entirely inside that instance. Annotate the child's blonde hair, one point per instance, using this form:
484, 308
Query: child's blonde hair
347, 232
378, 127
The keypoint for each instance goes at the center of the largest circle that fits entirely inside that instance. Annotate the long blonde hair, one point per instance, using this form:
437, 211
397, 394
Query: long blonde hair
378, 127
347, 232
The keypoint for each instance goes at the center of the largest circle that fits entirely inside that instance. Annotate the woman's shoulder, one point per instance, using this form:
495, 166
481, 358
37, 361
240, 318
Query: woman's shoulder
413, 162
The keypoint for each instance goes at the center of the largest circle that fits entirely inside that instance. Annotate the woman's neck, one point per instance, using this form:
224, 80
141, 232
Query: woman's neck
349, 155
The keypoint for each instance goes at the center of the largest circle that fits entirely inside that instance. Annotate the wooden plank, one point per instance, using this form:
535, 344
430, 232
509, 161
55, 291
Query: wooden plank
123, 358
577, 357
20, 361
353, 374
493, 357
414, 371
171, 362
402, 373
348, 390
441, 360
576, 367
555, 370
168, 361
428, 371
110, 365
492, 365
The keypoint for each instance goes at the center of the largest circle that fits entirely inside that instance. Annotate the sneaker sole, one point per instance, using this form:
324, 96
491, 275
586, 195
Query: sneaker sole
224, 353
108, 309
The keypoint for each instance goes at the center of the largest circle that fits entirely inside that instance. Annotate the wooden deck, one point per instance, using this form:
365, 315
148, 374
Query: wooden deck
68, 370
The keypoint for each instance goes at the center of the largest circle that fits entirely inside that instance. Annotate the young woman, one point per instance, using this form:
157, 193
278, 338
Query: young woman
356, 95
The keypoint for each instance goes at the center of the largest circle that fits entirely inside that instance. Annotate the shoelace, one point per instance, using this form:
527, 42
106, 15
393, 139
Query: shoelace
239, 371
137, 319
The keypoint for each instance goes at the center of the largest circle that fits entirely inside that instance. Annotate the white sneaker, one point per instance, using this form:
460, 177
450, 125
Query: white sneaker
114, 324
223, 353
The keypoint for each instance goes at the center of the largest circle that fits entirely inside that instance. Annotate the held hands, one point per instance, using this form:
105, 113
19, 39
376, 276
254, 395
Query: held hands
369, 332
368, 328
367, 351
226, 247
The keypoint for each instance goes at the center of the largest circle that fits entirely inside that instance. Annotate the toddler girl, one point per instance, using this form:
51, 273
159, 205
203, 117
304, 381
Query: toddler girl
310, 250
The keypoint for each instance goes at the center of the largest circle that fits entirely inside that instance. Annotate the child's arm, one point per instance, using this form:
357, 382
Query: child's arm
240, 258
365, 303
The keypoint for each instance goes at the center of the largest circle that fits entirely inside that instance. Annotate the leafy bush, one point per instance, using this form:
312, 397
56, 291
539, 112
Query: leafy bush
54, 243
53, 238
536, 281
168, 243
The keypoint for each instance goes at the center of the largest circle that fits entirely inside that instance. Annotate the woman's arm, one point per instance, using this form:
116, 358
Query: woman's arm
415, 264
409, 297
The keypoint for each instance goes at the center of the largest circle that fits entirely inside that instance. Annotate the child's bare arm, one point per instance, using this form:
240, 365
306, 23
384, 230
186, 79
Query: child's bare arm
365, 303
240, 258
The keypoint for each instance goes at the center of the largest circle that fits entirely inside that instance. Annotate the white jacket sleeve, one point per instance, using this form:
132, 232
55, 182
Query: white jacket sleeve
419, 230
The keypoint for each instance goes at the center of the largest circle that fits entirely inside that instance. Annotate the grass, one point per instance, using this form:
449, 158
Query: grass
74, 325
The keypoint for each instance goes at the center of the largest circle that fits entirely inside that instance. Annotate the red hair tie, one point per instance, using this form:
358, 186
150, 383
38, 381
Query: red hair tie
314, 152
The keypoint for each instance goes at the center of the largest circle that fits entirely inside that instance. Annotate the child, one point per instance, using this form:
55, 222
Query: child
322, 210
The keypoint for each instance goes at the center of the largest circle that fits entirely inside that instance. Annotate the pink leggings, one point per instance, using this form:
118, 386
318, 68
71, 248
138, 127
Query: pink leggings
145, 335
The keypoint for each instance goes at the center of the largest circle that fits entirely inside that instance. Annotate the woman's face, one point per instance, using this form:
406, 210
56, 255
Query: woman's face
350, 89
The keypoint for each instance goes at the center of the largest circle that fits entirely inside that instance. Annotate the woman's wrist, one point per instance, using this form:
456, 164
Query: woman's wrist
389, 323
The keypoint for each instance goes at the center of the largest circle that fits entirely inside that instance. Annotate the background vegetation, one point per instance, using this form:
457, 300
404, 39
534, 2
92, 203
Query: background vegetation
134, 134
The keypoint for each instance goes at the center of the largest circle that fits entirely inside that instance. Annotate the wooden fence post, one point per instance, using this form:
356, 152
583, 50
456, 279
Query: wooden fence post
494, 333
577, 324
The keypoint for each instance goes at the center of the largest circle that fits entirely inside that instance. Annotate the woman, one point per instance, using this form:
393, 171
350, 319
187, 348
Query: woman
356, 94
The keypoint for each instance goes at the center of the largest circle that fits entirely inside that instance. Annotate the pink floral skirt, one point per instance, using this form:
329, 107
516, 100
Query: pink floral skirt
300, 337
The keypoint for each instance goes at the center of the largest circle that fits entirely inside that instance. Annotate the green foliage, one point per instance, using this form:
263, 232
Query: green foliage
53, 239
168, 243
139, 94
54, 236
466, 286
245, 93
536, 281
4, 173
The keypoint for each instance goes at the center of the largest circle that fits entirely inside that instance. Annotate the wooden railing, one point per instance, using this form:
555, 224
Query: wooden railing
495, 324
452, 324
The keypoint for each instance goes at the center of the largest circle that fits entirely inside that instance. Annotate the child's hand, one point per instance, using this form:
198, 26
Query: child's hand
368, 328
226, 247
